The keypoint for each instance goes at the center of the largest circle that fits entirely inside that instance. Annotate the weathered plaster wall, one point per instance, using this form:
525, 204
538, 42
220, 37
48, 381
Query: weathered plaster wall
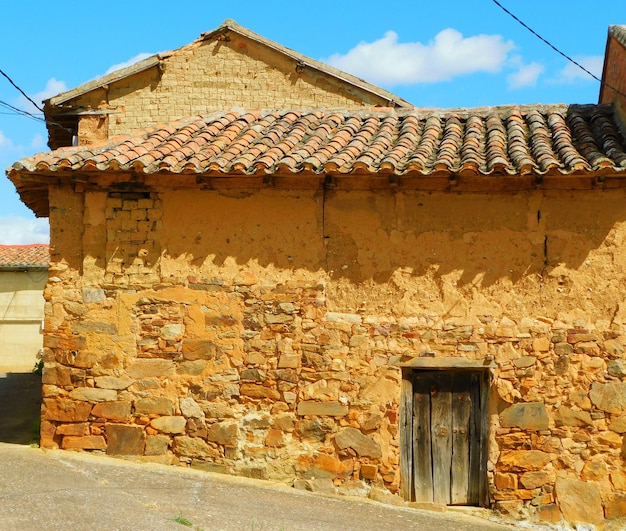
211, 76
253, 333
21, 318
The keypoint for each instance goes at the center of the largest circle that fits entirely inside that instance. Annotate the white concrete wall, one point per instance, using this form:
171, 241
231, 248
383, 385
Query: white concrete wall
21, 317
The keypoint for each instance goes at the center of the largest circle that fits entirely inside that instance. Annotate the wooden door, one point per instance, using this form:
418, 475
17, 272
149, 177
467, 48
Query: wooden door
447, 445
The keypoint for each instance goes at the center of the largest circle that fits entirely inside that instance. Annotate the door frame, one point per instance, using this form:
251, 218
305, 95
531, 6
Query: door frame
478, 487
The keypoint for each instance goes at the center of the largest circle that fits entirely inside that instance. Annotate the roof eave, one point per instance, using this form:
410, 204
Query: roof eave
117, 75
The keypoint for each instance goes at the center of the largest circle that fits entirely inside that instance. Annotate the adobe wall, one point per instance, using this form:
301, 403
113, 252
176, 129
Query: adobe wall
211, 76
253, 333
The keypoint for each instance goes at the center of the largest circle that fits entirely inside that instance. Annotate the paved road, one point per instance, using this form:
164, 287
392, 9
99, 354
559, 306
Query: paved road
56, 490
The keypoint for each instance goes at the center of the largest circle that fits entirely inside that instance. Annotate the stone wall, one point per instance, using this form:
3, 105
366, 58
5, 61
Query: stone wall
210, 76
256, 333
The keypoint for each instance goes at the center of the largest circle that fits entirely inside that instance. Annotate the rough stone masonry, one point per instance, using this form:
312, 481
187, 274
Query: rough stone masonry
264, 346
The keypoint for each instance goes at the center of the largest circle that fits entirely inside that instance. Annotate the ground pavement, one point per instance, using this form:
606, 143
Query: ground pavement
60, 490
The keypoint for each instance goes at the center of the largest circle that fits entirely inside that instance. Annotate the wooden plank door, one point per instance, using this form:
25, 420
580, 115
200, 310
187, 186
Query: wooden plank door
449, 437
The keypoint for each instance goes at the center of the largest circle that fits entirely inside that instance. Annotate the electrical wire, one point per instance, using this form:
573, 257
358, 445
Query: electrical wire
22, 112
20, 90
517, 19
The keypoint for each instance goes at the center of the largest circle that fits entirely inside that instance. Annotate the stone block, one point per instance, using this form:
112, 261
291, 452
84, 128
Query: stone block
325, 486
549, 513
252, 471
123, 439
331, 409
609, 397
77, 429
192, 368
274, 438
617, 368
118, 410
148, 368
616, 507
579, 501
369, 471
565, 416
193, 447
505, 481
524, 460
324, 466
618, 424
536, 479
594, 470
528, 416
363, 445
169, 424
157, 444
618, 479
224, 433
113, 382
285, 422
93, 295
89, 442
93, 394
155, 405
190, 408
289, 361
57, 375
65, 410
609, 438
259, 392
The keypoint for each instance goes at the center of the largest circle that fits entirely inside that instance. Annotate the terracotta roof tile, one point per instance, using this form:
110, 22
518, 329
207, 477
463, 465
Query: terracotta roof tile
509, 141
36, 255
618, 31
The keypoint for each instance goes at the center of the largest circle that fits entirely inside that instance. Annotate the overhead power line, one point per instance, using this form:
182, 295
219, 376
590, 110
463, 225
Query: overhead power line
22, 112
517, 19
20, 90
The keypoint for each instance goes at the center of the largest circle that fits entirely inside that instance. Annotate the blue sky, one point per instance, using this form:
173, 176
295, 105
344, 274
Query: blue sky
433, 54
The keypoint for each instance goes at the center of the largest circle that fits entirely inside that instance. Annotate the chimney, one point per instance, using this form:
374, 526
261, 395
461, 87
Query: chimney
613, 88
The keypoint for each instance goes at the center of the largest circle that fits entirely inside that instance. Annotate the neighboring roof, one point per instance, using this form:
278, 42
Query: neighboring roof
618, 32
26, 256
230, 26
496, 142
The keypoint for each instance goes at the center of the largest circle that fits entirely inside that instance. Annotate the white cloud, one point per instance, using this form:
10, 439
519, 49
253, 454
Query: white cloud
52, 88
6, 144
38, 142
16, 230
389, 62
571, 73
131, 61
526, 76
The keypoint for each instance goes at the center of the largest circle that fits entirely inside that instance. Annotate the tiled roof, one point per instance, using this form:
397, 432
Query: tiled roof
619, 33
510, 141
36, 255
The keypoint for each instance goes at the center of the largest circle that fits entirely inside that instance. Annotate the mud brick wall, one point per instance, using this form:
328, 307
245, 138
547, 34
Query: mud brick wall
209, 76
256, 333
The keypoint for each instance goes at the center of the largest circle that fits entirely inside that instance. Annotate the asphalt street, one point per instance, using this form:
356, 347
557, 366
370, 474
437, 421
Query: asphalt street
60, 490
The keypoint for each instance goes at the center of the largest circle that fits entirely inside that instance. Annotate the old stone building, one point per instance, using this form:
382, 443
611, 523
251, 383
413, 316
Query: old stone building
428, 304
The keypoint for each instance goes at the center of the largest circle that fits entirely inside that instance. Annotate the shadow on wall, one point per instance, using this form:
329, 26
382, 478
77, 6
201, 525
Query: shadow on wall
364, 236
20, 408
